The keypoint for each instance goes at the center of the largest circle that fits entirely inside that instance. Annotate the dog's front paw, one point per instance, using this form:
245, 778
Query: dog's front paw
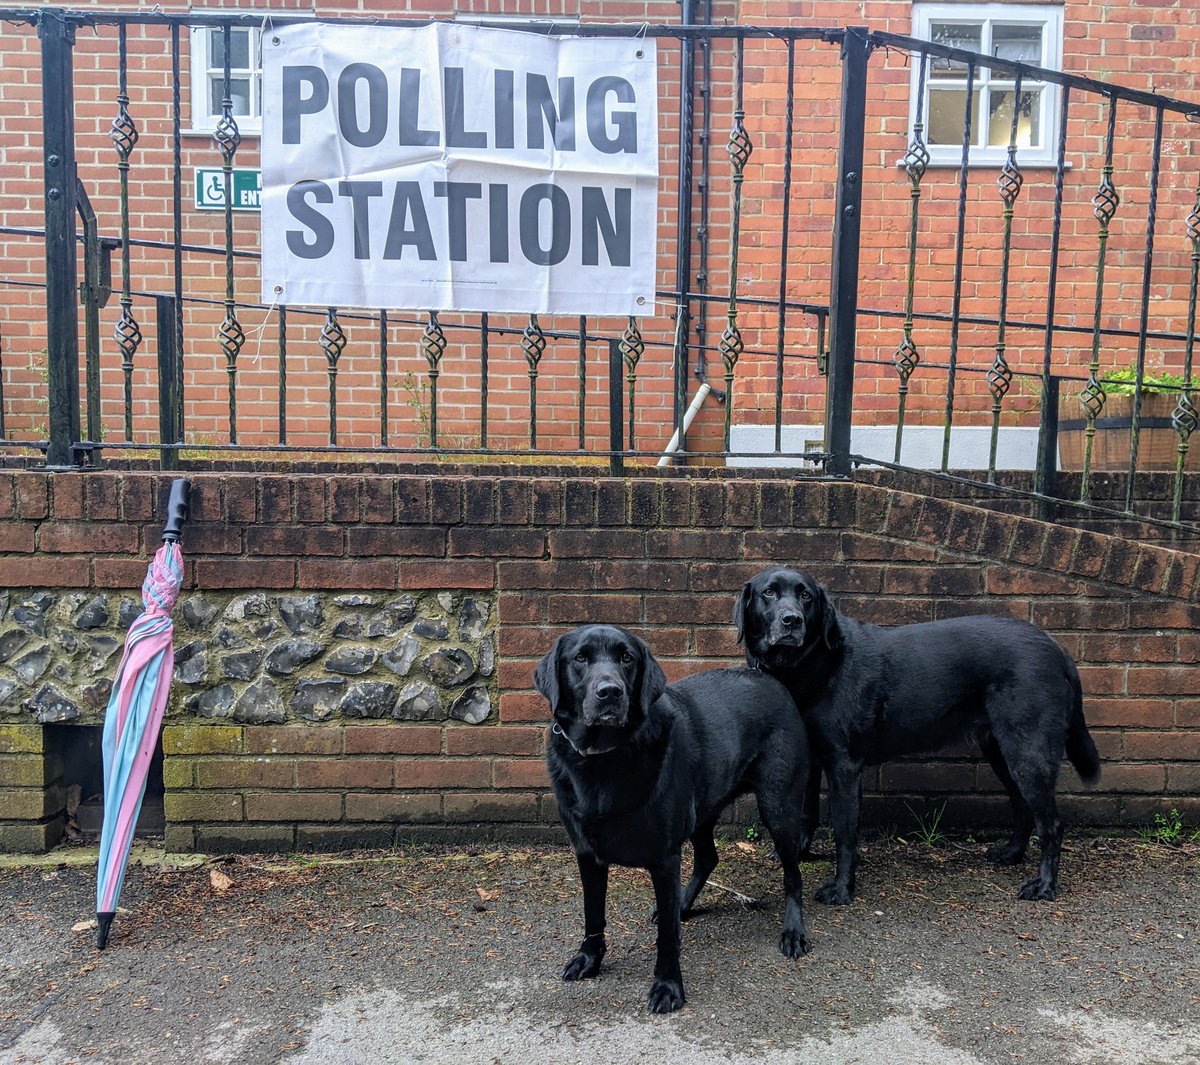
1038, 890
666, 995
1005, 854
583, 966
834, 894
793, 944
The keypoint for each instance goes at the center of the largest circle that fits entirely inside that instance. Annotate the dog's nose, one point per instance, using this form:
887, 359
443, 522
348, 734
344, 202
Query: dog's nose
608, 690
790, 620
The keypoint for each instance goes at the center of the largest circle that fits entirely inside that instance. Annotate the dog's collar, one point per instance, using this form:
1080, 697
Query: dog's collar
804, 653
586, 752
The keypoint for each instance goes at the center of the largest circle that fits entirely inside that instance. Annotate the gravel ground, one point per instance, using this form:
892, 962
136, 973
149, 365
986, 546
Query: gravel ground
454, 958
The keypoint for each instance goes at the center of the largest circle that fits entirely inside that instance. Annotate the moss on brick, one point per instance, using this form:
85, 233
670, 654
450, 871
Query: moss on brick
179, 839
202, 739
178, 772
17, 739
22, 771
32, 804
31, 837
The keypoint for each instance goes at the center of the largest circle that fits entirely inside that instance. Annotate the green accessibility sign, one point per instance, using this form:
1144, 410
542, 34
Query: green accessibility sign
210, 189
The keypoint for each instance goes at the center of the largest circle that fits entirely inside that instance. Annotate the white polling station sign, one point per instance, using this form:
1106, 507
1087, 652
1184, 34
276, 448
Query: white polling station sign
455, 167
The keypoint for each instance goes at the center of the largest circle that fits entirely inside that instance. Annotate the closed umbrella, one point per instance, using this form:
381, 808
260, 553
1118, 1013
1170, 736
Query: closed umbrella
135, 711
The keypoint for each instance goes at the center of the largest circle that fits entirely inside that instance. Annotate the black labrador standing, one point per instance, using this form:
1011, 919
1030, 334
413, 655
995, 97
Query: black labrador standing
870, 694
639, 766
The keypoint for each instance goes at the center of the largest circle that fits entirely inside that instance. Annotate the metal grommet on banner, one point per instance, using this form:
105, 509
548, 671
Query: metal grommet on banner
641, 33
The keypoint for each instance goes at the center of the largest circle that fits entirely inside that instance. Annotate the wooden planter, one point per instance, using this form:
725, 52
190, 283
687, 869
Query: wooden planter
1158, 443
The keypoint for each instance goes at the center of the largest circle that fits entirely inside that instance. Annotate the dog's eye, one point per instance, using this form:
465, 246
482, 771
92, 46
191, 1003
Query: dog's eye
626, 657
805, 596
581, 657
770, 593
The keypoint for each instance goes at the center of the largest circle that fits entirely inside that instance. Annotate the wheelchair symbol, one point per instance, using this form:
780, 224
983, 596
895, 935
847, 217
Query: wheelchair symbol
214, 190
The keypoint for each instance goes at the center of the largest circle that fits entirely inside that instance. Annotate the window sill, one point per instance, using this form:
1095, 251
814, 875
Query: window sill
246, 134
990, 164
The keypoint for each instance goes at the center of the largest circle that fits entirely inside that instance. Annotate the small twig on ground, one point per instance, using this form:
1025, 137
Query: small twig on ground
745, 900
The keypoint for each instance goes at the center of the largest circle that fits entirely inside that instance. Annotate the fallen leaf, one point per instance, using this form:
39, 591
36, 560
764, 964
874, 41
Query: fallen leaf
220, 882
487, 896
83, 926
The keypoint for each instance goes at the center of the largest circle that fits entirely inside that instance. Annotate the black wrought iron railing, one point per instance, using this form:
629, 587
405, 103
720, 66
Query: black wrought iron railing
861, 285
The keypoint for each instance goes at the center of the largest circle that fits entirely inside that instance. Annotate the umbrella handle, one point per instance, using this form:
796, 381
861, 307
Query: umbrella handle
177, 510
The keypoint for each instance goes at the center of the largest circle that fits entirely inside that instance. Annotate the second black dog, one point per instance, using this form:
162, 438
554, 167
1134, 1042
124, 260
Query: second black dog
639, 766
870, 694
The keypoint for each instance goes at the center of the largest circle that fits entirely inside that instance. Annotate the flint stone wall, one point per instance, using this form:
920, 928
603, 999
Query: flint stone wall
258, 658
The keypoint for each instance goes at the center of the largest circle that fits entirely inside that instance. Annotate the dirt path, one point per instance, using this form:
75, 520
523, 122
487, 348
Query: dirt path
454, 958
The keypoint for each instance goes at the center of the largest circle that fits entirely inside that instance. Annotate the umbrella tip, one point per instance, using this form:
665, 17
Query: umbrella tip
103, 924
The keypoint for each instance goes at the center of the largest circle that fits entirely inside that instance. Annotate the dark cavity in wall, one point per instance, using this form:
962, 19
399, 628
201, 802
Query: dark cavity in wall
78, 749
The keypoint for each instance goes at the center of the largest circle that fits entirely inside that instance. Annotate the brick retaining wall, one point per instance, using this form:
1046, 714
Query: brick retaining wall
664, 555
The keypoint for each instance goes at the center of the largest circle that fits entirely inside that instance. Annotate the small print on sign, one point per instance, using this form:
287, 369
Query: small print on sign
210, 188
454, 167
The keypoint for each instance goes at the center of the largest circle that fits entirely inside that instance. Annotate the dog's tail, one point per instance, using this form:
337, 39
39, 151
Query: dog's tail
1081, 748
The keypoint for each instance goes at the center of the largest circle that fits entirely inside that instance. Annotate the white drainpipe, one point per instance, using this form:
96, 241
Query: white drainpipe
688, 416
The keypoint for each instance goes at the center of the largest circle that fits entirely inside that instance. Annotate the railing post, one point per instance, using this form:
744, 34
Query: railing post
616, 408
843, 302
94, 292
170, 380
62, 294
684, 234
1046, 472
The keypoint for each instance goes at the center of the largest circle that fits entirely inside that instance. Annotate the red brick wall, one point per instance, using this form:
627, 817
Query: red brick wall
22, 332
1148, 46
664, 556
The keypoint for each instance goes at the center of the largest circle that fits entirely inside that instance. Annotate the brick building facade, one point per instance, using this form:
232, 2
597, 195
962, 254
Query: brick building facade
1147, 45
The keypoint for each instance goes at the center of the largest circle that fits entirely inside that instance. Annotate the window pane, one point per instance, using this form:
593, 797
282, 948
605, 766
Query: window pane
953, 35
1018, 43
947, 111
239, 49
239, 93
1029, 132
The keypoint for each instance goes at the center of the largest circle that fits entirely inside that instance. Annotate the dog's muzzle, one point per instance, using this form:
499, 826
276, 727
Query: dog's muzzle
606, 704
787, 629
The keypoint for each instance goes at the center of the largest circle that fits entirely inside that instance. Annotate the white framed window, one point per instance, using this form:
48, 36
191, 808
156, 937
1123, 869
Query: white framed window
1028, 33
208, 78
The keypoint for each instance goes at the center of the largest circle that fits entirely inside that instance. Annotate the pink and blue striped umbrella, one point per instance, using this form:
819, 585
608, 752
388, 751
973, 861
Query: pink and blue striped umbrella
134, 716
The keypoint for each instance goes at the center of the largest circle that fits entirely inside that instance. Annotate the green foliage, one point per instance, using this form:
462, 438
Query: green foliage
1122, 382
754, 833
418, 393
928, 830
887, 835
1169, 830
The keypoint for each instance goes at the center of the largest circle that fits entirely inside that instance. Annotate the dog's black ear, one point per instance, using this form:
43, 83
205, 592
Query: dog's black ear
739, 610
831, 631
545, 676
654, 680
